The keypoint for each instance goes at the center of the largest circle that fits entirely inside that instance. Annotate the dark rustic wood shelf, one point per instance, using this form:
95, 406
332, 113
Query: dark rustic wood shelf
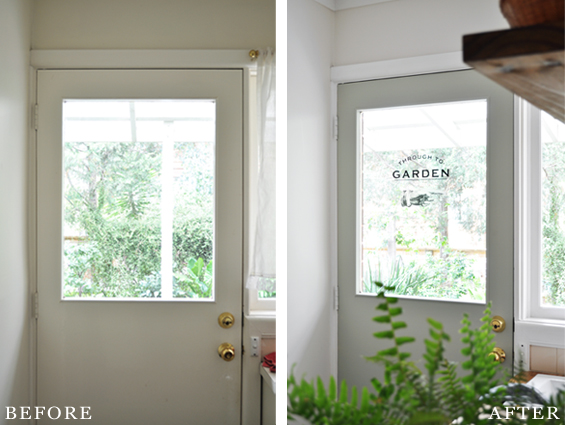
527, 60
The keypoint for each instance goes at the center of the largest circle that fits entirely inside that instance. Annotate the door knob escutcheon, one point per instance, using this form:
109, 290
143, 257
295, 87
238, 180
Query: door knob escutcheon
499, 354
226, 320
226, 351
498, 324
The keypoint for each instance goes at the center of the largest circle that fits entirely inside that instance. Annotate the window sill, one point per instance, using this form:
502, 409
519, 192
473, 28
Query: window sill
270, 378
262, 314
538, 321
264, 324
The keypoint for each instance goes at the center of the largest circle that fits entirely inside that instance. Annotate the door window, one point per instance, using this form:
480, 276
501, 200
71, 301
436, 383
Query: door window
422, 206
138, 199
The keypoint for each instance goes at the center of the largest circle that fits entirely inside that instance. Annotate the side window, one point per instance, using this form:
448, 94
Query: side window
541, 183
552, 140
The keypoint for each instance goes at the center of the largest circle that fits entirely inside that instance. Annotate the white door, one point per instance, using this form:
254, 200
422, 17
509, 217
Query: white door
425, 193
139, 197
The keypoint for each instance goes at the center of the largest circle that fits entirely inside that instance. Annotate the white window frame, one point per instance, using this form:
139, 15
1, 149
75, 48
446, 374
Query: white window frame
534, 323
261, 306
529, 232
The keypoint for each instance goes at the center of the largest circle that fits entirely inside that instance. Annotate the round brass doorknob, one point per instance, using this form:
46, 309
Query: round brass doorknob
499, 354
498, 324
226, 351
226, 320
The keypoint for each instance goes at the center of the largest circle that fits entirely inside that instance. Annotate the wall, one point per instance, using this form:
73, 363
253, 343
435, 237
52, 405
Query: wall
310, 39
150, 24
15, 30
317, 40
406, 28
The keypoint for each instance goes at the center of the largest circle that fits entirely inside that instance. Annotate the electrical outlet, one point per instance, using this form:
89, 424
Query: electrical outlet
255, 346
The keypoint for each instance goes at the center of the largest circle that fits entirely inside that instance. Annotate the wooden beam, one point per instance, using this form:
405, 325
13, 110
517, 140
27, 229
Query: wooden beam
528, 61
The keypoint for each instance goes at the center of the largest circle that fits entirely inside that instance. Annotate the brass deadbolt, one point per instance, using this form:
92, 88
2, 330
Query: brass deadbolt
499, 354
226, 320
226, 351
498, 324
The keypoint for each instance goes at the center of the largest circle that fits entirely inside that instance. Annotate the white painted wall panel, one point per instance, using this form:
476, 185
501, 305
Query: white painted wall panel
407, 28
310, 38
15, 31
150, 24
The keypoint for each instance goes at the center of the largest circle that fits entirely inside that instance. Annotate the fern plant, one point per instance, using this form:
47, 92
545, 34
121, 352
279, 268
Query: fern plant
410, 396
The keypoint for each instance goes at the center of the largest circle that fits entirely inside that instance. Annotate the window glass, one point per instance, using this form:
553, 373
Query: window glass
423, 200
138, 201
267, 294
553, 210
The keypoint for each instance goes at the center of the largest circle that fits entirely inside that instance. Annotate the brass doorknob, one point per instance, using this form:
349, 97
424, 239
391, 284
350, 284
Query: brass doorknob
499, 354
226, 320
226, 351
498, 324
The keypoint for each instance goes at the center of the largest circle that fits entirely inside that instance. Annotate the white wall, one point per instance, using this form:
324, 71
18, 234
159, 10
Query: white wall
15, 31
406, 28
310, 39
318, 39
153, 24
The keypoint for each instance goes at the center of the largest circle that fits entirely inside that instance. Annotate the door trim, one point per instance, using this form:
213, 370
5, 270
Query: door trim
133, 59
137, 59
392, 68
403, 67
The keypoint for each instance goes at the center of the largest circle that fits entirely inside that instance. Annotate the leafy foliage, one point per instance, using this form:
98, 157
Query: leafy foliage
112, 205
553, 219
408, 395
432, 240
195, 281
450, 276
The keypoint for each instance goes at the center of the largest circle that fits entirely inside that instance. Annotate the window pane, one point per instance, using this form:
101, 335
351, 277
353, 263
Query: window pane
269, 289
423, 192
553, 210
138, 199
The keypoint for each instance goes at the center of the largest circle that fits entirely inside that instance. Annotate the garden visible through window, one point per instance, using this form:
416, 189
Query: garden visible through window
138, 202
553, 211
422, 198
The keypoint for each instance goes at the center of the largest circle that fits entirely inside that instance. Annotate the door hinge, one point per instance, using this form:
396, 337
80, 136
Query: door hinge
35, 305
335, 296
335, 128
35, 115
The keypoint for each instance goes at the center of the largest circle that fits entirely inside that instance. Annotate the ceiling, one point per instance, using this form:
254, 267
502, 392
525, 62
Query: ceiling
336, 5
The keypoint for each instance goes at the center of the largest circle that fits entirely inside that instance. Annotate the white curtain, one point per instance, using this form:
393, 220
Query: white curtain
262, 267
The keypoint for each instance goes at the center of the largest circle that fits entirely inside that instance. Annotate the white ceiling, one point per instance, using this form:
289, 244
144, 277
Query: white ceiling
348, 4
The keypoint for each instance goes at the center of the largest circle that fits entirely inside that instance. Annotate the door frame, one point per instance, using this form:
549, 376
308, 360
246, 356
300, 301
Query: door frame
138, 59
404, 67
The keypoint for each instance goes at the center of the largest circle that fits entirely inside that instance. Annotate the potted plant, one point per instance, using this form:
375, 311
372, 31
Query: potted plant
434, 396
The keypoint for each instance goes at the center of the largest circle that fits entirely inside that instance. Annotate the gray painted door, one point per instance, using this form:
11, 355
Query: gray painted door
141, 361
355, 103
